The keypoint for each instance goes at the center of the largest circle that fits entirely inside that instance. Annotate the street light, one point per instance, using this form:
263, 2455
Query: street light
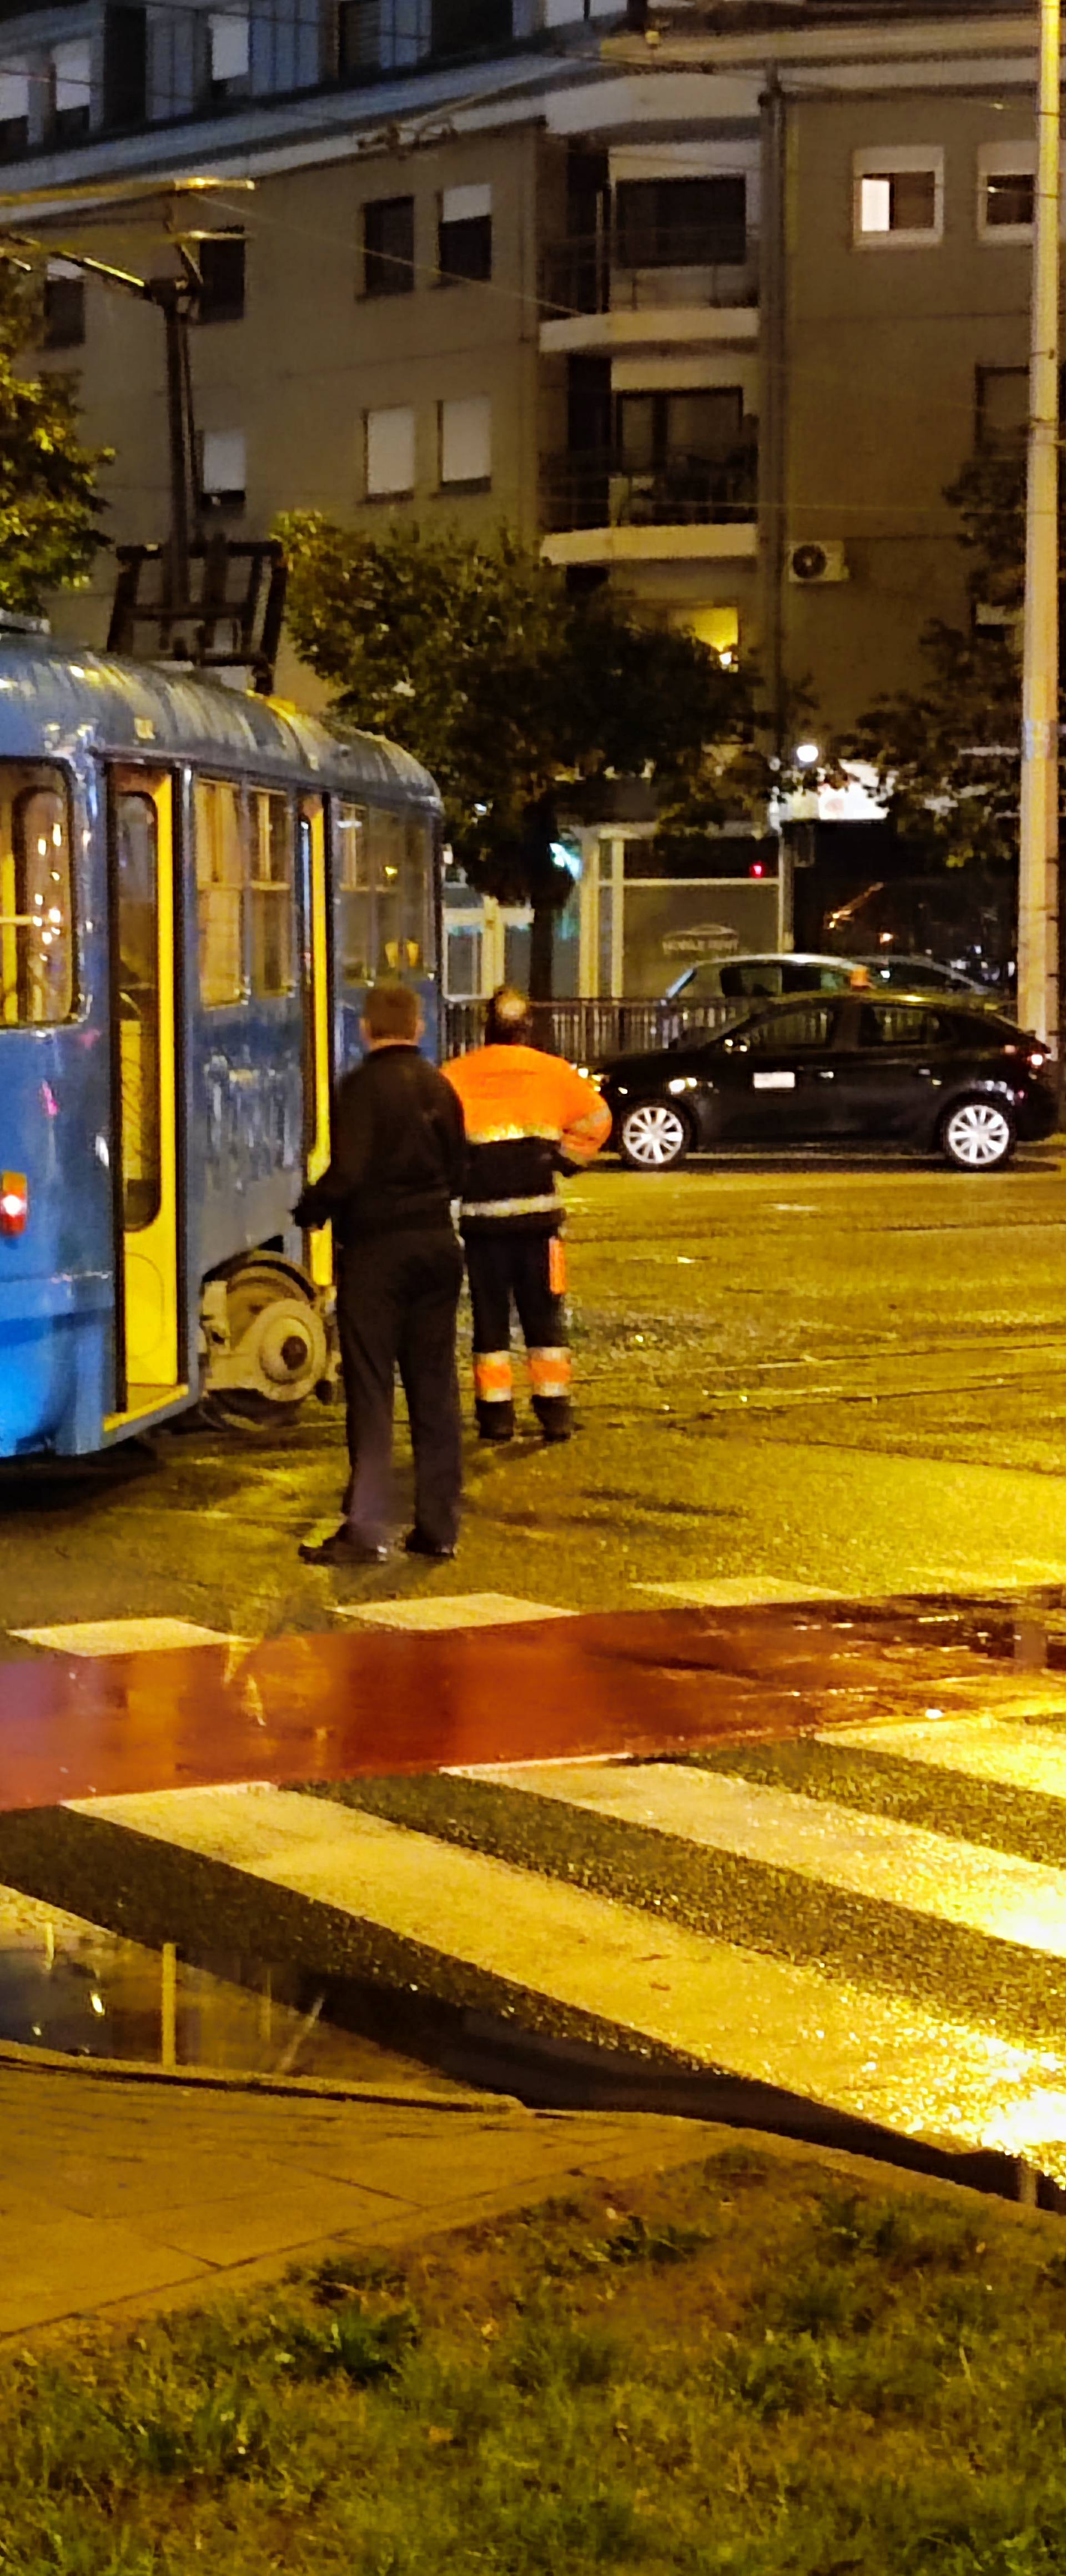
1038, 851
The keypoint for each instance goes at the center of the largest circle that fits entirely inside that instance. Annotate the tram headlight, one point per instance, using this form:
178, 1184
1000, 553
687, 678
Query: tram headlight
14, 1202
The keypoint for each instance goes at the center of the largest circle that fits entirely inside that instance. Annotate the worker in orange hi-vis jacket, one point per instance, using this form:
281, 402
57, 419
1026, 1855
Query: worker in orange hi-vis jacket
528, 1116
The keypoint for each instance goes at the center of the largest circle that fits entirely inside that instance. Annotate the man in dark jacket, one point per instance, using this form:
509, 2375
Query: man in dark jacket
397, 1164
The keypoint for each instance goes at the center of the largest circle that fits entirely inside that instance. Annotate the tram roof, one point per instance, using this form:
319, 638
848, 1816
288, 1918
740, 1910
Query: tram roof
55, 701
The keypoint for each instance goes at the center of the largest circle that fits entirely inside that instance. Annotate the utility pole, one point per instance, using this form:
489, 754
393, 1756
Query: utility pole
1038, 869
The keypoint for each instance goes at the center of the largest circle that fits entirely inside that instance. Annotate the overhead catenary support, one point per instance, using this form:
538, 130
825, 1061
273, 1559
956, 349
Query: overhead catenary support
1038, 870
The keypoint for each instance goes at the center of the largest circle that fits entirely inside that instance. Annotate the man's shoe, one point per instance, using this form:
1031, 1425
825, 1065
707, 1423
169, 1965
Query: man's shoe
342, 1549
417, 1544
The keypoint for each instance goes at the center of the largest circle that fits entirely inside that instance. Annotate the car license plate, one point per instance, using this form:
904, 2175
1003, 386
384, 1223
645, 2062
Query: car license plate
773, 1082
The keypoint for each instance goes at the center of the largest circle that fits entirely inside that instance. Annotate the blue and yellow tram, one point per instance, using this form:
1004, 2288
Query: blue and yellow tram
195, 889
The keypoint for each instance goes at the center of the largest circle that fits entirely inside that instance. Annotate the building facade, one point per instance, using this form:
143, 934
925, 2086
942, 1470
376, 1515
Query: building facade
711, 311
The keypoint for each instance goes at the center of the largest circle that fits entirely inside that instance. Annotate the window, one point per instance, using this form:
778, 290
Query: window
220, 259
229, 52
899, 195
221, 873
1006, 190
271, 886
654, 428
136, 859
125, 65
358, 38
681, 223
389, 246
64, 306
717, 626
385, 833
71, 89
352, 884
1002, 405
418, 926
464, 233
14, 108
390, 452
222, 471
464, 976
810, 1024
36, 898
884, 1024
466, 443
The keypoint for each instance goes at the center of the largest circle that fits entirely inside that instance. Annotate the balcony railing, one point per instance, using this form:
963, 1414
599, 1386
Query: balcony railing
619, 271
600, 489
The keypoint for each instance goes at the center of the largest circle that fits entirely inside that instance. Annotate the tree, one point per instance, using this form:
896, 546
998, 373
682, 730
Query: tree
947, 752
49, 506
475, 656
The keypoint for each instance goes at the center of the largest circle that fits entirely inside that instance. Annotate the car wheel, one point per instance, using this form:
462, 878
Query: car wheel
977, 1135
653, 1136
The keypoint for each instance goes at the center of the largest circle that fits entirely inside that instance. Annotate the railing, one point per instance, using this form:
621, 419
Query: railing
636, 270
589, 1032
596, 488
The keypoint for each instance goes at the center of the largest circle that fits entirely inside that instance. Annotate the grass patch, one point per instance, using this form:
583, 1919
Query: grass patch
739, 2370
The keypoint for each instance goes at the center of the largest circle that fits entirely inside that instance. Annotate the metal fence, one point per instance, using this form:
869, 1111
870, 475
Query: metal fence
597, 488
588, 1032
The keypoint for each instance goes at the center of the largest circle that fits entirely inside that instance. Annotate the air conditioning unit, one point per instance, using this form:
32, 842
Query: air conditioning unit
817, 561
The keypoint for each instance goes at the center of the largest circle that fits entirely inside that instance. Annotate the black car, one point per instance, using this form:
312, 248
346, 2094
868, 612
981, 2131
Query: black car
838, 1069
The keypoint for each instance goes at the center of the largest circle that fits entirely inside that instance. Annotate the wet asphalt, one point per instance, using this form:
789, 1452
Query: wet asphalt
807, 1377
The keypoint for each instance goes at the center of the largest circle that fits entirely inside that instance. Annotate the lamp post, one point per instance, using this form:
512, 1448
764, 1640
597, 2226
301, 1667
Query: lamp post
1038, 937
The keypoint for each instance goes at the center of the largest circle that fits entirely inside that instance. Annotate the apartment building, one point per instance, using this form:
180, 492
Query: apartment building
712, 308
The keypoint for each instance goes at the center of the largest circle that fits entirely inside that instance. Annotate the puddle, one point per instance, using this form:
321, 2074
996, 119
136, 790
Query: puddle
69, 1985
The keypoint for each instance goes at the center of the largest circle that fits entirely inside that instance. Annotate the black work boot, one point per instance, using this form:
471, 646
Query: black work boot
495, 1421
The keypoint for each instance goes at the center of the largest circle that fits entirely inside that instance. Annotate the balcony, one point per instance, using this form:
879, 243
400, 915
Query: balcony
600, 508
622, 288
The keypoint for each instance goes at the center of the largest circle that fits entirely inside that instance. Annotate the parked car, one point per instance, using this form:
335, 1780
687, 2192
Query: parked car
838, 1069
925, 974
744, 979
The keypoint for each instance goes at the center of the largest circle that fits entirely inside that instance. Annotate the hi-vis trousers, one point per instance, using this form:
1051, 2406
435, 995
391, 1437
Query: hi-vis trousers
529, 1269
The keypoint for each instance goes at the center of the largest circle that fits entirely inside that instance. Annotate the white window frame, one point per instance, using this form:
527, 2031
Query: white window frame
231, 446
890, 161
72, 73
14, 92
380, 413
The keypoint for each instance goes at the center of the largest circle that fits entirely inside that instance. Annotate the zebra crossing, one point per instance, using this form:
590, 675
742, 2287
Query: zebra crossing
768, 1913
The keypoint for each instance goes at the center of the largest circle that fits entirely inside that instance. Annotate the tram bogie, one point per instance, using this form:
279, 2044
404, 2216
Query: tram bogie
195, 890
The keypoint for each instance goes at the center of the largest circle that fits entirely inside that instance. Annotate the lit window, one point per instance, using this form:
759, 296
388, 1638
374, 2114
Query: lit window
718, 627
71, 72
899, 195
272, 925
223, 469
466, 443
36, 936
221, 876
390, 452
229, 48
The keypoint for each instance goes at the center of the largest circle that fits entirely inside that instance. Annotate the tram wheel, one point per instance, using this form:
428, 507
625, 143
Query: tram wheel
278, 1335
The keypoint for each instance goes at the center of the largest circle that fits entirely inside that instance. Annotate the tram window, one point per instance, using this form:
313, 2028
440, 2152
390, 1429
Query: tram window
387, 875
271, 894
352, 880
220, 881
418, 896
137, 923
36, 907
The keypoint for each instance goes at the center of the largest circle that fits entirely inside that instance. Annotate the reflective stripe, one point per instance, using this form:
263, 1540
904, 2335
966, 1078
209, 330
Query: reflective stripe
512, 1135
550, 1372
492, 1377
548, 1206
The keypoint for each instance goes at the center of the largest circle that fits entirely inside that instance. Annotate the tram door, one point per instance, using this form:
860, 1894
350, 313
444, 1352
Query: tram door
317, 1018
145, 1021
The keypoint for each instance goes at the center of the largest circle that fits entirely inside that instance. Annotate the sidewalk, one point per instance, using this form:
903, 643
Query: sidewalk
118, 2195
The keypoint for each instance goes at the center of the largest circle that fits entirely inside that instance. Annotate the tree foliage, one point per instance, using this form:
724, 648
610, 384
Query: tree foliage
49, 505
947, 751
475, 656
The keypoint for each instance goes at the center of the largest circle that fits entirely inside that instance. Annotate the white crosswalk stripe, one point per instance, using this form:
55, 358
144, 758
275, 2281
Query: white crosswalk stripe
512, 1937
982, 1748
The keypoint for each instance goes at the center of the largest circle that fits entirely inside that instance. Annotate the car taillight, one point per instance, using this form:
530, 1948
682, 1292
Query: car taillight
14, 1202
1036, 1058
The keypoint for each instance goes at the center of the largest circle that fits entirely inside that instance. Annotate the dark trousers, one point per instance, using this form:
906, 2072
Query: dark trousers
397, 1296
526, 1268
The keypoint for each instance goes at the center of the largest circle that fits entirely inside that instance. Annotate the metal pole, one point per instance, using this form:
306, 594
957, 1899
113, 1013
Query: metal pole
1038, 960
